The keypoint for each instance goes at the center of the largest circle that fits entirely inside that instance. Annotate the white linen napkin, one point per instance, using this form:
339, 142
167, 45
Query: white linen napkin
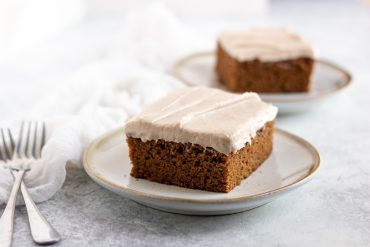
103, 94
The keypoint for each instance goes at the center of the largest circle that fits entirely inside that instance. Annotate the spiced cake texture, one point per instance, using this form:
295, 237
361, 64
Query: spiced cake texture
264, 60
201, 138
193, 166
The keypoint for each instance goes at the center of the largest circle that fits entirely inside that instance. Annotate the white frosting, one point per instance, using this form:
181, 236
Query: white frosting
205, 116
265, 44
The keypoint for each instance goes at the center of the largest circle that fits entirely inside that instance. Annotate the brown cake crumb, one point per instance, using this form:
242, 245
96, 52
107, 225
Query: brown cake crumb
192, 166
286, 76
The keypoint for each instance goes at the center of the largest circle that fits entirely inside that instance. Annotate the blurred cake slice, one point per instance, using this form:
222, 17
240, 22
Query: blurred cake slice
201, 138
268, 60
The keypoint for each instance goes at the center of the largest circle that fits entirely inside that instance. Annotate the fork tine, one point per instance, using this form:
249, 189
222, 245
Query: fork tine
43, 135
27, 145
20, 139
34, 141
43, 138
12, 142
6, 149
30, 141
2, 156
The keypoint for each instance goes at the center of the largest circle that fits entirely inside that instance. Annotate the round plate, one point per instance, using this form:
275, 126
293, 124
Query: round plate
199, 70
292, 163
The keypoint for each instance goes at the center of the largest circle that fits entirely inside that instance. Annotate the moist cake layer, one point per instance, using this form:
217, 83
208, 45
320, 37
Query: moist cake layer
265, 44
193, 166
268, 77
204, 116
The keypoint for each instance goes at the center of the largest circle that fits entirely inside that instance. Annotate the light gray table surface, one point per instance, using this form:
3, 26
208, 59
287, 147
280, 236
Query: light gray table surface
331, 210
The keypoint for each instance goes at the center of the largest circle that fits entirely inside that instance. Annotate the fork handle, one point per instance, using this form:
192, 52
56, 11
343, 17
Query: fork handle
7, 219
42, 232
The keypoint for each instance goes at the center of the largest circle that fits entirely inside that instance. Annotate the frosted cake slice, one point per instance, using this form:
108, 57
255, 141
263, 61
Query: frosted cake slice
268, 60
201, 138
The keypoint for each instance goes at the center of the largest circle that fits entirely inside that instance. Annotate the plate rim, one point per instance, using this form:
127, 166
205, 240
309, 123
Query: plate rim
96, 176
175, 71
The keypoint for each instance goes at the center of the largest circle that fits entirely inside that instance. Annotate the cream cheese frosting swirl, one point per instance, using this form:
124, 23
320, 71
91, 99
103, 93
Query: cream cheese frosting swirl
205, 116
265, 44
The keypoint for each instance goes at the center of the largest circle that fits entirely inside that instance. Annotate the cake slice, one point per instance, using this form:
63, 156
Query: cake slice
268, 60
201, 138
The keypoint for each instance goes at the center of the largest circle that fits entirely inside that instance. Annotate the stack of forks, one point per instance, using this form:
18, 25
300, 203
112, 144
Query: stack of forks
18, 157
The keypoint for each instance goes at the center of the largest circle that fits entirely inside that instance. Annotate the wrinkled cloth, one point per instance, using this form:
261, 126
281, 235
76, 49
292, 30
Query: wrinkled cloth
104, 93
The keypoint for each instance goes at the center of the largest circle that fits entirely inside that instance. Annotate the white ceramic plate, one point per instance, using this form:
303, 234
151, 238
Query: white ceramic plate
292, 163
199, 69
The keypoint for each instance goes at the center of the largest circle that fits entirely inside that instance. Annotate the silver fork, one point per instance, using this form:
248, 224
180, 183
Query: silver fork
24, 154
